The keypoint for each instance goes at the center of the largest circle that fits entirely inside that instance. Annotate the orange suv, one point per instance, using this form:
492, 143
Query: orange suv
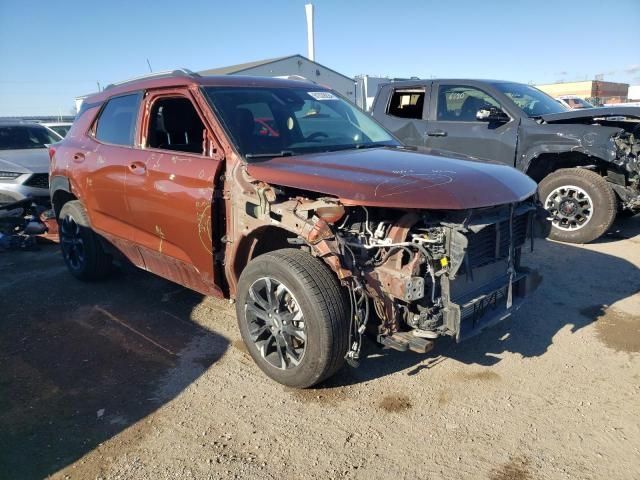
320, 227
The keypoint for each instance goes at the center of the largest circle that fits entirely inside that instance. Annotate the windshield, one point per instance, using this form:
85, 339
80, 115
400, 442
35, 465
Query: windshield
531, 100
266, 121
20, 137
60, 129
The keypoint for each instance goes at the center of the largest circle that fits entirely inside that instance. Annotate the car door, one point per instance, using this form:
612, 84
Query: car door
405, 113
103, 157
453, 125
170, 188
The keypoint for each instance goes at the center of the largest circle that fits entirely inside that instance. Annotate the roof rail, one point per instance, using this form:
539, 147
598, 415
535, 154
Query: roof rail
180, 72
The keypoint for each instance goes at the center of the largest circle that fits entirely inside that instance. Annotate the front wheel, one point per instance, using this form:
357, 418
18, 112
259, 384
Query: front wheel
292, 315
581, 203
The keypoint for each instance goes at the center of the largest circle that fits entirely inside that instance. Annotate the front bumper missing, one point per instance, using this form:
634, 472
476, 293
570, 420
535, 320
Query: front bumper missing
469, 315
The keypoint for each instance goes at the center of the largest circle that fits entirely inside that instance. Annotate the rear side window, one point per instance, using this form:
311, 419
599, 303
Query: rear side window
407, 104
117, 120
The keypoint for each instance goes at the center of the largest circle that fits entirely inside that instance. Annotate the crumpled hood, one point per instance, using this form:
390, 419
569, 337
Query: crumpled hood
591, 113
25, 161
388, 177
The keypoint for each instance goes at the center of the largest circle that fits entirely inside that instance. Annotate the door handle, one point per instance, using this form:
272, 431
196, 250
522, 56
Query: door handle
78, 157
437, 133
137, 167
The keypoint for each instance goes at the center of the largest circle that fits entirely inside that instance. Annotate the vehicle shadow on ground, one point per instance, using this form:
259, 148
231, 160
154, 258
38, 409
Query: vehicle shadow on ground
577, 286
80, 363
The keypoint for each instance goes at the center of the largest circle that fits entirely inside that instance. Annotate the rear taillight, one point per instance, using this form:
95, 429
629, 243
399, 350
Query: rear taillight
52, 152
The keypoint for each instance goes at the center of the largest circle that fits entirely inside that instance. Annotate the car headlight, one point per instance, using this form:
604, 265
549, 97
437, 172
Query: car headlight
9, 175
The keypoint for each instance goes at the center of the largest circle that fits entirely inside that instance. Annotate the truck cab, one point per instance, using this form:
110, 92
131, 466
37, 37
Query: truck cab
586, 163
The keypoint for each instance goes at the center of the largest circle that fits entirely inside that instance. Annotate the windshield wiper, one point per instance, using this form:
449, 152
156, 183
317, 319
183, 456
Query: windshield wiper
281, 153
370, 145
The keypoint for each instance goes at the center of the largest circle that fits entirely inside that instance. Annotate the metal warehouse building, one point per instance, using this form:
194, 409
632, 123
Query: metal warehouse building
291, 66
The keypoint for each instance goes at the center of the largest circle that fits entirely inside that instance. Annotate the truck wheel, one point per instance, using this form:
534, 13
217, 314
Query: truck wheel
293, 315
81, 248
583, 206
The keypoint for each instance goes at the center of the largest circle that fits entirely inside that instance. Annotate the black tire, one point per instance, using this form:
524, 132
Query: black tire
596, 192
81, 247
324, 307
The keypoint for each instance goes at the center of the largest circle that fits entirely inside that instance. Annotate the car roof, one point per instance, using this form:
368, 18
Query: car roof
19, 123
179, 79
422, 81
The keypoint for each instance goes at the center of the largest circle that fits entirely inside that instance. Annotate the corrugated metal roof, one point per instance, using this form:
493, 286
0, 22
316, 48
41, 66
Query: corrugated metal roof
241, 67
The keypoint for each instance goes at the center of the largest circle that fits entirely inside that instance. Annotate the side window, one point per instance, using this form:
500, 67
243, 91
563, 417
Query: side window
175, 125
406, 104
117, 122
458, 103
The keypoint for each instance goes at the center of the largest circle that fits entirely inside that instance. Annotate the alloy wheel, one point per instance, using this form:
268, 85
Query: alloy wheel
571, 207
71, 242
276, 323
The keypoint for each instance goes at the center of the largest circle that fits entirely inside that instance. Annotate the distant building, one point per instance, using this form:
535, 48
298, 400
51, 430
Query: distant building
634, 93
292, 66
595, 91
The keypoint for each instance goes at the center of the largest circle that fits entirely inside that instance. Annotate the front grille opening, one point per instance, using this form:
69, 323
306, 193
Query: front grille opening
38, 180
492, 242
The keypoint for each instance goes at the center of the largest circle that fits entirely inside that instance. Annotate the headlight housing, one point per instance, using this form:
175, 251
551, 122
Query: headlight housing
9, 175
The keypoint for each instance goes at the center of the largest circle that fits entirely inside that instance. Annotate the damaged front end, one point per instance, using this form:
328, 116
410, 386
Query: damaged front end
627, 147
611, 136
417, 275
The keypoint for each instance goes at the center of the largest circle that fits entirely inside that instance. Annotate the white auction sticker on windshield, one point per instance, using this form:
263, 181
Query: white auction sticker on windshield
323, 95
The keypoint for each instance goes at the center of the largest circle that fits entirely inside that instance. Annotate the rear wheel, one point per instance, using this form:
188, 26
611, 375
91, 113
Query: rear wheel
292, 315
581, 203
81, 248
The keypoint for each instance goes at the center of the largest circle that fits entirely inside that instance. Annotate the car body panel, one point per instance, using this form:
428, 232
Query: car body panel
592, 113
169, 198
398, 179
158, 216
478, 139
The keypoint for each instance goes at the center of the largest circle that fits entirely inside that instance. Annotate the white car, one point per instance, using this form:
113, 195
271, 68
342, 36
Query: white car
59, 128
24, 162
573, 102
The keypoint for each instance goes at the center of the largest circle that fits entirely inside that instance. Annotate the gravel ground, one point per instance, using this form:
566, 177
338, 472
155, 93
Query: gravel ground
138, 378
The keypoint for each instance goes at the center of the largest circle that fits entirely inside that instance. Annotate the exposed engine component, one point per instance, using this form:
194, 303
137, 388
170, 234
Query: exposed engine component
432, 274
628, 146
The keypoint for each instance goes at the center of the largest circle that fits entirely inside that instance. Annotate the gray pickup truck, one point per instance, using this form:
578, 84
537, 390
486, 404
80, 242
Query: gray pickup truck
587, 162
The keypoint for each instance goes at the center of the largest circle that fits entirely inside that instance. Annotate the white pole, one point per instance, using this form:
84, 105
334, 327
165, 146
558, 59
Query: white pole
308, 8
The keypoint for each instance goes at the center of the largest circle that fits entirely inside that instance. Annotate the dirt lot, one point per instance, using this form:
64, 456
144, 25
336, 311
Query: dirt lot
139, 378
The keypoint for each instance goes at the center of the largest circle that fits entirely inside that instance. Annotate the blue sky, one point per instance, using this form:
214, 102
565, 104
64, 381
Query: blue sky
51, 52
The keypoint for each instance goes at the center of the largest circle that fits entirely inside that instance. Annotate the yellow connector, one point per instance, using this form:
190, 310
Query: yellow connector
444, 262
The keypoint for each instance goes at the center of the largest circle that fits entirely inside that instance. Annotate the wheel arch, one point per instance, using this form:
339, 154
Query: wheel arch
262, 240
60, 193
541, 165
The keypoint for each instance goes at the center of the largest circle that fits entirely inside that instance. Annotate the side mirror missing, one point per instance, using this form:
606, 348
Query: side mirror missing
492, 115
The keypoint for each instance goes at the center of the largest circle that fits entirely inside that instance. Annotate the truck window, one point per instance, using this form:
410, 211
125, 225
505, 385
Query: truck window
117, 122
406, 104
175, 125
458, 103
